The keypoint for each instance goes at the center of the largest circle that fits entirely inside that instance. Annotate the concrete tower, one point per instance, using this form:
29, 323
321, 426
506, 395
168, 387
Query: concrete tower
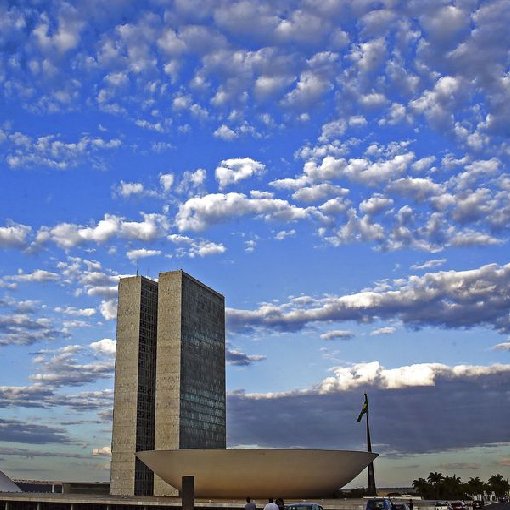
190, 367
169, 375
135, 379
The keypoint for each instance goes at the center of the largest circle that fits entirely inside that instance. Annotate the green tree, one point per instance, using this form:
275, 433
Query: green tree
422, 487
452, 487
474, 486
499, 485
436, 479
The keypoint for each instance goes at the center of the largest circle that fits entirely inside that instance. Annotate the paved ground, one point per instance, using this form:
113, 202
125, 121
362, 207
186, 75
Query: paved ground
500, 506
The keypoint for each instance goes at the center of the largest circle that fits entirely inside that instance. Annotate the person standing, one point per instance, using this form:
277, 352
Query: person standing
271, 505
250, 505
411, 504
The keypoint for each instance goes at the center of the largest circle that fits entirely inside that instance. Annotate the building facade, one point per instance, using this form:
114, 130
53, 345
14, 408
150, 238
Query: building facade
190, 367
135, 379
169, 375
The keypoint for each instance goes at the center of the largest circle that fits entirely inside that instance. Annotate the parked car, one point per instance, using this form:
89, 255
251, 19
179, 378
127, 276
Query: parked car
379, 504
443, 505
303, 506
399, 506
458, 505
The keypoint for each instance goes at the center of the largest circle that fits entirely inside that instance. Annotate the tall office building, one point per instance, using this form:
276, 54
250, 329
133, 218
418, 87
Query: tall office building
190, 367
135, 379
169, 375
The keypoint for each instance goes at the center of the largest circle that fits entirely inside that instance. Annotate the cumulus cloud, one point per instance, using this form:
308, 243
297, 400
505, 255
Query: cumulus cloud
51, 151
448, 299
17, 431
166, 181
239, 359
338, 334
197, 214
284, 234
60, 367
39, 275
104, 451
108, 308
105, 346
14, 235
387, 330
429, 263
318, 192
24, 329
127, 189
225, 133
193, 247
233, 170
331, 407
71, 310
142, 253
68, 235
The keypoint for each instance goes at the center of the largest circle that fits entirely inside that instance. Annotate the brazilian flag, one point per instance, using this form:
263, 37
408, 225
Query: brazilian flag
364, 410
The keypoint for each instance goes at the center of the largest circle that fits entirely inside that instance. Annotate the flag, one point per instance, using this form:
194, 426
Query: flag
364, 410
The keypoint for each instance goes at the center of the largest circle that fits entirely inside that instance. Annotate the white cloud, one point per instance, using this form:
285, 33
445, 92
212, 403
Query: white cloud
199, 213
423, 164
504, 346
373, 374
338, 334
166, 181
388, 330
250, 245
51, 151
68, 235
71, 310
39, 275
233, 170
209, 248
429, 263
267, 86
370, 55
417, 188
225, 133
449, 299
240, 359
318, 192
332, 130
14, 235
375, 204
126, 189
108, 308
284, 234
193, 247
142, 253
309, 89
104, 451
102, 290
192, 181
105, 346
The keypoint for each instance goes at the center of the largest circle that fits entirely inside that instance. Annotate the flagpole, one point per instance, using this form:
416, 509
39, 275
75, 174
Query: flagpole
372, 491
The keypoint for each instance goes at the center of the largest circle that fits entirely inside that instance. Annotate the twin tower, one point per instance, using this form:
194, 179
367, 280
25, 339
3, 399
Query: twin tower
169, 375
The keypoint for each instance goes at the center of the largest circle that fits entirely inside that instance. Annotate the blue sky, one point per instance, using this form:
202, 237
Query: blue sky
338, 170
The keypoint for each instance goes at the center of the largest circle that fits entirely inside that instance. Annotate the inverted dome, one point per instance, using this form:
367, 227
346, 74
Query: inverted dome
237, 473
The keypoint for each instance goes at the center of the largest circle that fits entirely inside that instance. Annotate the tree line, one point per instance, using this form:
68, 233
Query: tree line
437, 486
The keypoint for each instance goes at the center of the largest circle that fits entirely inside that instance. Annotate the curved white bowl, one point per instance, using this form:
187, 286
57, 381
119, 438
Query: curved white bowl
258, 473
